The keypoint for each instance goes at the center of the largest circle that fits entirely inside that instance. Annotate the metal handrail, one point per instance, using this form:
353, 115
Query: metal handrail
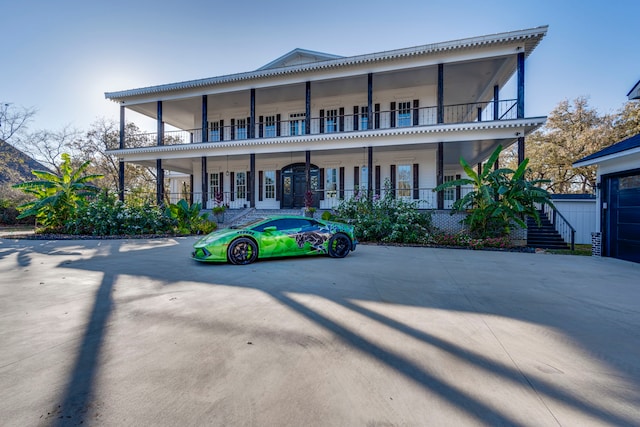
348, 122
561, 224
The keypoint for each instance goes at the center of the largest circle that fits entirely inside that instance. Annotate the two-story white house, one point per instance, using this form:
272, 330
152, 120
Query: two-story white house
338, 126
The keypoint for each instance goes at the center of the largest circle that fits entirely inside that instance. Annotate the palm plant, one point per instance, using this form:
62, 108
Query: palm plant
499, 197
58, 196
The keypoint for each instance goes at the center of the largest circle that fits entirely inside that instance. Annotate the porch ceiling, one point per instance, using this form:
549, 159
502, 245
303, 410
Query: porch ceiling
465, 82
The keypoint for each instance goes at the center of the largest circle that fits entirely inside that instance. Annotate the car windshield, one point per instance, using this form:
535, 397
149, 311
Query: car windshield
248, 224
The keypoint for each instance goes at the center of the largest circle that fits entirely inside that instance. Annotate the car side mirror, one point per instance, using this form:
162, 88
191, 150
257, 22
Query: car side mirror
270, 229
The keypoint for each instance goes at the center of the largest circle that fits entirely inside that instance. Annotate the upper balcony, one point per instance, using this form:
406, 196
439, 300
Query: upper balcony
336, 120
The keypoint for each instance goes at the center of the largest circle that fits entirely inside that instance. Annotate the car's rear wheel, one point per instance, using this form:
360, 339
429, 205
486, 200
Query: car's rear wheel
242, 251
339, 245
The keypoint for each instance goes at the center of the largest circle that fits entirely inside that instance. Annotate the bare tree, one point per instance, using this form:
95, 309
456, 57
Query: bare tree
104, 135
14, 121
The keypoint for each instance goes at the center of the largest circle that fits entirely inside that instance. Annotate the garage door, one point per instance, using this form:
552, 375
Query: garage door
623, 217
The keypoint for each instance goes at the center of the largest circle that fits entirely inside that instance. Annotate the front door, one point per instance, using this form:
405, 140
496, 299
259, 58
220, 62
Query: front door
294, 185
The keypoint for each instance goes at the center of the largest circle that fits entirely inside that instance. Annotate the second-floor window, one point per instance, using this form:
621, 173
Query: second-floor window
297, 123
214, 132
269, 126
364, 118
241, 129
331, 121
404, 114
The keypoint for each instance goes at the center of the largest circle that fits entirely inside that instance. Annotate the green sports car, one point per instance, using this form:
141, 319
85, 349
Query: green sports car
276, 236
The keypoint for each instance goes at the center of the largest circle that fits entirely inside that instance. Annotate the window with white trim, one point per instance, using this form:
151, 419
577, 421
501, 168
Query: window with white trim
269, 126
296, 123
449, 193
214, 185
404, 114
269, 184
241, 185
331, 182
364, 118
364, 178
404, 181
214, 131
331, 121
241, 129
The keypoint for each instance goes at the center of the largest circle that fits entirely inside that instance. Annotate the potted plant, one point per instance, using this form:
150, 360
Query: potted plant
219, 208
309, 209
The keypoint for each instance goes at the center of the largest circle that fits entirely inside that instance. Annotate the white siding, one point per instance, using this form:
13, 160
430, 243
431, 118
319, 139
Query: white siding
581, 214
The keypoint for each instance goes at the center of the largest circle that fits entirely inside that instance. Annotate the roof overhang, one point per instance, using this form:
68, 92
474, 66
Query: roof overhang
607, 158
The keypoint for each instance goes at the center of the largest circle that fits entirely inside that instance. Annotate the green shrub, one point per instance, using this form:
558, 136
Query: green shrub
189, 219
106, 215
385, 219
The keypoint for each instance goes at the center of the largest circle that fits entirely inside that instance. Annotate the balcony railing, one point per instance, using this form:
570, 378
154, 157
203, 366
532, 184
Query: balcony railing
278, 127
424, 198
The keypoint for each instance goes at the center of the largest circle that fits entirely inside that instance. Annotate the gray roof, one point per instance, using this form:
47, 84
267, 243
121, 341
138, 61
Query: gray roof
531, 38
633, 89
624, 145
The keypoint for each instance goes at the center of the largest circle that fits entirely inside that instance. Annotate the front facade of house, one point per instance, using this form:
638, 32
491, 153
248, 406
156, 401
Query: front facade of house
333, 127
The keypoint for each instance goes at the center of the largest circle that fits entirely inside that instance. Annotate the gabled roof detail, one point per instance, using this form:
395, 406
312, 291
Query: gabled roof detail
298, 57
530, 38
634, 93
624, 145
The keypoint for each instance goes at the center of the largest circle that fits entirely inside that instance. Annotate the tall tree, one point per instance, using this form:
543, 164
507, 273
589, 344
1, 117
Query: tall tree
104, 135
573, 130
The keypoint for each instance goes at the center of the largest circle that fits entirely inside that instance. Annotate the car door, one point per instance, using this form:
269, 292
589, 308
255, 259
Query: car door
282, 237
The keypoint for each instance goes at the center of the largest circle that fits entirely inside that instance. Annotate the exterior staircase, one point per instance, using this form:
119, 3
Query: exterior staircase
545, 236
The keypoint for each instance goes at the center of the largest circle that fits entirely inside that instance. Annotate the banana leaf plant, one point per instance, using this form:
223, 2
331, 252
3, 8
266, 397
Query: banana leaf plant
58, 196
498, 198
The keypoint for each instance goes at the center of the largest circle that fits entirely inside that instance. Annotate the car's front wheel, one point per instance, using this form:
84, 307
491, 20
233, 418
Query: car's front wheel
242, 251
339, 245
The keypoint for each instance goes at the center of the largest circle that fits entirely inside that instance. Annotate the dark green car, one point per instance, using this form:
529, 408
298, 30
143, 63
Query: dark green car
276, 236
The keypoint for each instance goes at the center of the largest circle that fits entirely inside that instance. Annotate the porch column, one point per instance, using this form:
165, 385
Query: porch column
370, 173
205, 138
205, 124
307, 109
121, 163
520, 72
370, 101
307, 170
159, 170
440, 93
252, 115
251, 181
205, 184
496, 102
440, 174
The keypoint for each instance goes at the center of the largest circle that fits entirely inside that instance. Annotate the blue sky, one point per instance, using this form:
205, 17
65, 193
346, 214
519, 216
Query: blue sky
61, 56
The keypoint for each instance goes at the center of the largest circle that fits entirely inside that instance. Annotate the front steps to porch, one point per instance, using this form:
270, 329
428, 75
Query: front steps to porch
544, 236
241, 216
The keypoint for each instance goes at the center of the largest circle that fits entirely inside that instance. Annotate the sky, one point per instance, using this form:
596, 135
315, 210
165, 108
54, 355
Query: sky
61, 56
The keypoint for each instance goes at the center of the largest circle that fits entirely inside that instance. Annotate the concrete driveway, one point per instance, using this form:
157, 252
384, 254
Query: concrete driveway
134, 333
